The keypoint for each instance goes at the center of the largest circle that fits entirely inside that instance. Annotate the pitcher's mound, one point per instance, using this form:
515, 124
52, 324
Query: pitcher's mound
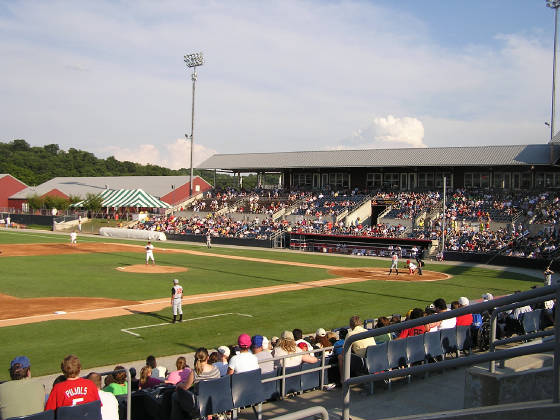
152, 269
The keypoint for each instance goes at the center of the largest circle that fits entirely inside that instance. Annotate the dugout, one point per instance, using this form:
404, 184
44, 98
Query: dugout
356, 245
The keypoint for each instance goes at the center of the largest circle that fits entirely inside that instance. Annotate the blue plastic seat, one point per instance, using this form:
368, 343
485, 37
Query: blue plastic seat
214, 396
415, 349
183, 405
293, 384
397, 354
312, 379
432, 346
464, 339
531, 321
271, 390
88, 411
448, 337
377, 360
246, 390
43, 415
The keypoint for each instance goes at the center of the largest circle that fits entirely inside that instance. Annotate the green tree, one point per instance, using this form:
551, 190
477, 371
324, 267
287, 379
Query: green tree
35, 202
93, 202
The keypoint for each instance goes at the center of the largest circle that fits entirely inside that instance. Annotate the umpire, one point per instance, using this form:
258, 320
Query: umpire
420, 264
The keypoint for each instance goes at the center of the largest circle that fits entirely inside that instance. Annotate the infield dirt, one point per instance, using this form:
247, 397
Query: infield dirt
15, 311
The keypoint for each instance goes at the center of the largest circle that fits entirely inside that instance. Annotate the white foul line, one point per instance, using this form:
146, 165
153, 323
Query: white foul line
127, 330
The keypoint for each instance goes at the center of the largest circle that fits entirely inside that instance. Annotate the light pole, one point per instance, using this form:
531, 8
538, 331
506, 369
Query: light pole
553, 4
193, 60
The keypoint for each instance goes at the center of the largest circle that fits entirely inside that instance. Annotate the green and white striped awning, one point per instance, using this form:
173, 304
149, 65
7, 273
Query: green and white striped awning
129, 198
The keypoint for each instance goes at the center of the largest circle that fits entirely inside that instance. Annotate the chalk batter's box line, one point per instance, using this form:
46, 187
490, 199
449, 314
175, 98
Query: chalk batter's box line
127, 330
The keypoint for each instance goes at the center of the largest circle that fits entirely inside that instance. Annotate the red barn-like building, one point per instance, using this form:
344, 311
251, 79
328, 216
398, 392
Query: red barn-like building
8, 187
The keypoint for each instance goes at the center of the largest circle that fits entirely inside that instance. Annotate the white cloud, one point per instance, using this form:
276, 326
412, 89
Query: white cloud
388, 132
174, 155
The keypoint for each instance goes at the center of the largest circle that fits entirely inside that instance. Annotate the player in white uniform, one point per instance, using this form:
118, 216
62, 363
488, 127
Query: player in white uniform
150, 253
209, 238
176, 300
394, 263
411, 267
73, 238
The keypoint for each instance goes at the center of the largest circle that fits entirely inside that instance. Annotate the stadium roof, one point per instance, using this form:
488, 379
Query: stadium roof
532, 154
128, 198
157, 186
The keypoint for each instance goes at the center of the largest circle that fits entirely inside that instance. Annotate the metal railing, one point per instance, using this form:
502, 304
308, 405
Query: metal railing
523, 297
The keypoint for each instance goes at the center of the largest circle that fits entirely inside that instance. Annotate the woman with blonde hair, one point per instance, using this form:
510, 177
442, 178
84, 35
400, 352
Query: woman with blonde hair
287, 345
146, 380
181, 374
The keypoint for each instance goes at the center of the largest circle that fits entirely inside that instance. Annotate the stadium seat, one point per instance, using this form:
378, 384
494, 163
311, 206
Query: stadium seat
464, 339
183, 405
377, 360
43, 415
271, 390
293, 384
396, 354
312, 379
415, 352
432, 346
448, 337
246, 390
88, 411
214, 396
531, 321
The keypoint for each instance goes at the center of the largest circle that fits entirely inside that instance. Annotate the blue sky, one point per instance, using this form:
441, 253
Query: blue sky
108, 76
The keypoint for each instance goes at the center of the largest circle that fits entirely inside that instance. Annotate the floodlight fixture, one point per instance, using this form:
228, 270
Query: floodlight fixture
194, 60
554, 4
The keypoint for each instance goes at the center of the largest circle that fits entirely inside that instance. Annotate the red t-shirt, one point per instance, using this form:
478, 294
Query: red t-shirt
72, 392
409, 332
466, 319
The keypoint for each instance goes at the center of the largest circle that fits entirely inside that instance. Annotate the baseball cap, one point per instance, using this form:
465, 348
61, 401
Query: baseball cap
487, 296
244, 341
287, 335
321, 332
463, 301
224, 350
257, 341
175, 281
265, 343
302, 346
22, 360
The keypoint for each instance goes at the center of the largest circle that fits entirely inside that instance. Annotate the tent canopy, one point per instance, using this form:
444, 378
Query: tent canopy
128, 198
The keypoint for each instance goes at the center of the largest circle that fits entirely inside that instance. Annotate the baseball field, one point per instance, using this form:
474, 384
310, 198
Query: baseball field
100, 301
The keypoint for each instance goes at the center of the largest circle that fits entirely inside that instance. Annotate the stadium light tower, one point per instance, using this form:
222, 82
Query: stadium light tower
193, 61
553, 4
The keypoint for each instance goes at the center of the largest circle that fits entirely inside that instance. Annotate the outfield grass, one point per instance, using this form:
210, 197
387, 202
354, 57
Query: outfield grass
100, 342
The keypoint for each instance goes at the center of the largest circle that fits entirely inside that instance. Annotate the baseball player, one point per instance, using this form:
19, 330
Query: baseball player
150, 253
176, 300
394, 263
411, 267
209, 238
73, 238
548, 276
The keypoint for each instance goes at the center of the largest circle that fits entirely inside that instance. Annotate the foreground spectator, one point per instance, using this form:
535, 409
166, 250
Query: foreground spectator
181, 374
359, 347
109, 403
117, 385
419, 329
21, 396
158, 372
74, 390
244, 361
222, 363
466, 319
202, 369
259, 347
440, 307
146, 378
287, 345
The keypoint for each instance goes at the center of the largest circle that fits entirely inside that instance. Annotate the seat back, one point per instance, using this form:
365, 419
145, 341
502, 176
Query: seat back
464, 339
312, 379
293, 384
246, 388
531, 321
397, 353
214, 396
183, 405
432, 345
42, 415
448, 337
88, 411
271, 390
415, 349
376, 358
